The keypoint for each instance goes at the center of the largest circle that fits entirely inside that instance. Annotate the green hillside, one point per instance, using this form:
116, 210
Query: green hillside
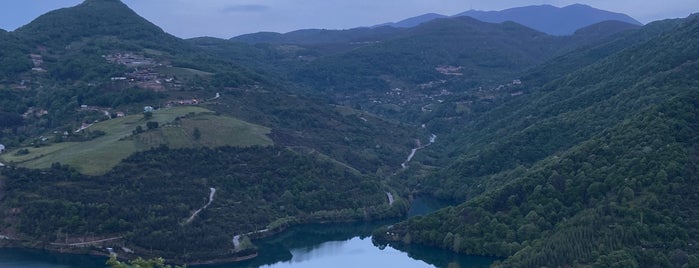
414, 56
147, 202
560, 151
13, 56
117, 139
95, 18
80, 66
275, 158
565, 176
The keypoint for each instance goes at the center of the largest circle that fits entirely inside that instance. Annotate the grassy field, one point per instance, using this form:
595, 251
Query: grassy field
101, 154
182, 72
214, 131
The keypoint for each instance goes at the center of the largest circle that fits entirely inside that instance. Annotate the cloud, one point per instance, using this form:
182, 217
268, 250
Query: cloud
245, 8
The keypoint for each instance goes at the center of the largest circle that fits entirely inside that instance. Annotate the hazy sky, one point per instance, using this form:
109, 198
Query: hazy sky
228, 18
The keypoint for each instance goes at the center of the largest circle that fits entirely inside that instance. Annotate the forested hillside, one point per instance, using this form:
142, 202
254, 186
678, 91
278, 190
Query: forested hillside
99, 95
149, 200
598, 167
560, 151
403, 73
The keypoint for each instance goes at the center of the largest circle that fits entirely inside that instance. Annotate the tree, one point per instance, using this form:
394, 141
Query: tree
139, 129
139, 263
151, 125
196, 133
147, 115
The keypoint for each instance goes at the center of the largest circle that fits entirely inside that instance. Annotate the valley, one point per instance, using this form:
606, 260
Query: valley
570, 149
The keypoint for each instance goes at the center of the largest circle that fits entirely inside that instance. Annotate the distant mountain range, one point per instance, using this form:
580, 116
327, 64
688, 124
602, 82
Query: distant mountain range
544, 18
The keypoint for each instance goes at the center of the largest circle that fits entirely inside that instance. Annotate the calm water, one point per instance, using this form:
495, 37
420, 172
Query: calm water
316, 245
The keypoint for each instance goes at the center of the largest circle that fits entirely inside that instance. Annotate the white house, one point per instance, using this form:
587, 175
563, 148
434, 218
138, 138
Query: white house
2, 148
147, 109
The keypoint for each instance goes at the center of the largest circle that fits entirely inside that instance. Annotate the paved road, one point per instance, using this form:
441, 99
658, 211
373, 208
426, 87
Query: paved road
211, 199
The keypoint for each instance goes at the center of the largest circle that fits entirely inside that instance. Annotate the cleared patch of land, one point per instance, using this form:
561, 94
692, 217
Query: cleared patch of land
182, 72
176, 129
214, 131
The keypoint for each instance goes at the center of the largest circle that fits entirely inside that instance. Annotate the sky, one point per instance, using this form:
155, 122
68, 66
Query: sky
229, 18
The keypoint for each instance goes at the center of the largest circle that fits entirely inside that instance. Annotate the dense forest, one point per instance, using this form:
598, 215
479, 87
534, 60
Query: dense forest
612, 201
602, 172
148, 198
565, 151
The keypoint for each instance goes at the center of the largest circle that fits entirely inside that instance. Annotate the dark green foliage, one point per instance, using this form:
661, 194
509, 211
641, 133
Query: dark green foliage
94, 18
196, 133
413, 56
594, 164
139, 129
151, 195
606, 209
151, 125
570, 110
599, 168
10, 119
14, 56
139, 263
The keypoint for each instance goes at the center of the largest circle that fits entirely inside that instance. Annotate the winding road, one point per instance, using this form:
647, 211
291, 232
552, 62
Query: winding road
211, 199
433, 138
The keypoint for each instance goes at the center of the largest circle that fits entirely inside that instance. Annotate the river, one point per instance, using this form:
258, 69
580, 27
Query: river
314, 245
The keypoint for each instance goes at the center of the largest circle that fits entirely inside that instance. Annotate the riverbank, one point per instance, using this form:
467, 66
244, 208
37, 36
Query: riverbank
394, 207
289, 247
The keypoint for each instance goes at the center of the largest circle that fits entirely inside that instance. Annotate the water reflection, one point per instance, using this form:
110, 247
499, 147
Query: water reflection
350, 245
21, 258
314, 245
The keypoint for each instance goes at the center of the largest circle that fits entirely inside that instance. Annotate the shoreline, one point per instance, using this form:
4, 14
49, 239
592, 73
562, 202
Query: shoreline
99, 248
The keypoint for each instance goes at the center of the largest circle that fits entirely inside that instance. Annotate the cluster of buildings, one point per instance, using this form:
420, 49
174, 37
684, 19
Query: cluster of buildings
129, 59
144, 74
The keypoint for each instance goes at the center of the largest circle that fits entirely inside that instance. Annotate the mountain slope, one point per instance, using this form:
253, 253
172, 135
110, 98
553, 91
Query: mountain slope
595, 204
297, 159
92, 18
316, 36
414, 56
148, 203
396, 78
14, 58
414, 21
556, 178
79, 74
609, 43
550, 19
577, 106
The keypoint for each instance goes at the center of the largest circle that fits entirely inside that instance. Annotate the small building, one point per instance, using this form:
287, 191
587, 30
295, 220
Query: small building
147, 109
120, 114
516, 82
2, 148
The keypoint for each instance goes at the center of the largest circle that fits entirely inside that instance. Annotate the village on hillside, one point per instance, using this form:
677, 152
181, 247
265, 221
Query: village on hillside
144, 73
